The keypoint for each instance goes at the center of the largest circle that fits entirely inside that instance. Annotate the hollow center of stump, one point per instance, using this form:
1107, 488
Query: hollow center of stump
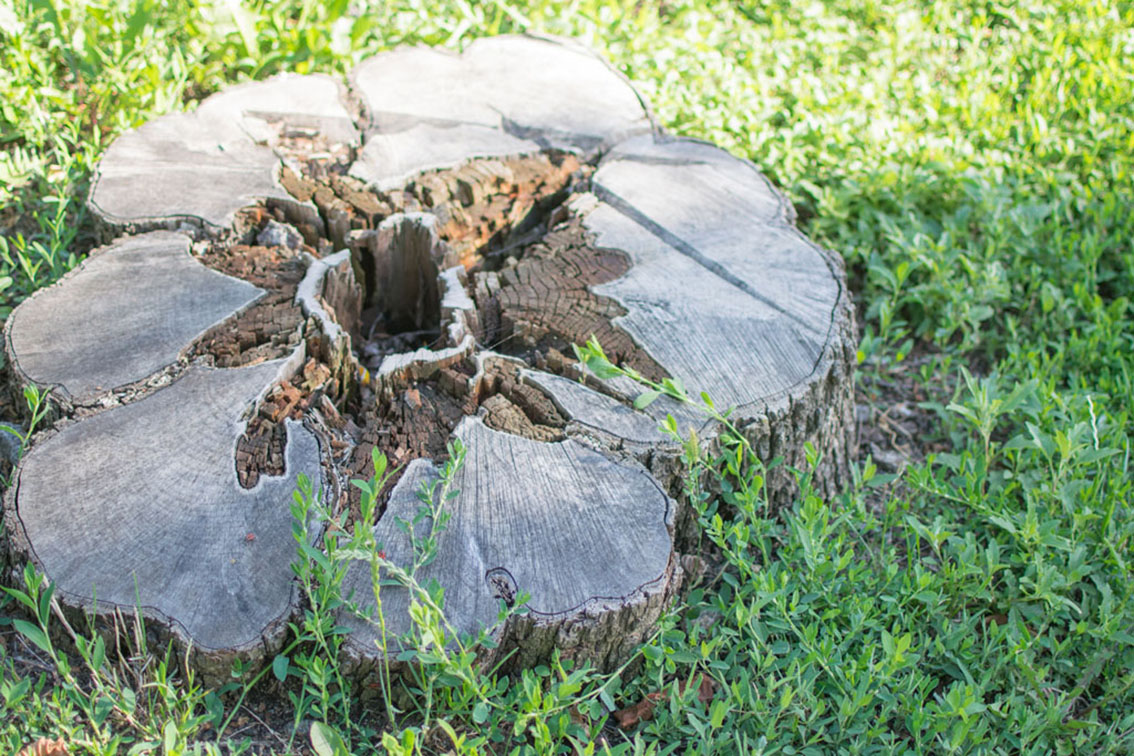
401, 296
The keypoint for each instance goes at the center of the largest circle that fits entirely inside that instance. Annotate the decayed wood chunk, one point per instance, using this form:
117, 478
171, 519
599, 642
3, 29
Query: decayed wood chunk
548, 301
268, 329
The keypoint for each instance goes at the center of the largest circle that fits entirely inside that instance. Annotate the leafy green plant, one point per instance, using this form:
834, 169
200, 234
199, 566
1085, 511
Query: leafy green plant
38, 407
137, 699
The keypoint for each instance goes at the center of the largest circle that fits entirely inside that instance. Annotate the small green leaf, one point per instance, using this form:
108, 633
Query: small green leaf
674, 387
325, 740
102, 708
45, 603
22, 597
480, 712
645, 399
390, 744
98, 653
169, 738
683, 656
379, 460
215, 708
717, 713
34, 634
129, 701
603, 370
280, 666
362, 485
245, 24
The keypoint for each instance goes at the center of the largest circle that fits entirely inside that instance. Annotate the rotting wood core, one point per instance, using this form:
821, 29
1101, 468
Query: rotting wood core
530, 284
260, 449
270, 328
479, 205
542, 303
532, 267
416, 421
493, 217
496, 212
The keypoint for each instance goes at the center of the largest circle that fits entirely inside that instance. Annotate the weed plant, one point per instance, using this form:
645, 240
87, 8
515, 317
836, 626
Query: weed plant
971, 161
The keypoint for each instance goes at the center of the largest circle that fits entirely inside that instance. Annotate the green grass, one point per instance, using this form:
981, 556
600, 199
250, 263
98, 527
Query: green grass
972, 161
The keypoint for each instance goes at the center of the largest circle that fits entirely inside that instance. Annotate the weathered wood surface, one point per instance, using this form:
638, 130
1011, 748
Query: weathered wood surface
558, 521
756, 300
140, 504
506, 203
126, 313
202, 167
504, 96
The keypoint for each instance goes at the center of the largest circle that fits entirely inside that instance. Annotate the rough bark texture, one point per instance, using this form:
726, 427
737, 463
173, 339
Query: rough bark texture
504, 204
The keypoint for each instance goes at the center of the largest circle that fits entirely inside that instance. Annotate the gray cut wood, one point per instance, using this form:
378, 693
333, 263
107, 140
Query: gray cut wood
482, 213
560, 522
126, 313
757, 300
202, 167
598, 411
140, 504
503, 96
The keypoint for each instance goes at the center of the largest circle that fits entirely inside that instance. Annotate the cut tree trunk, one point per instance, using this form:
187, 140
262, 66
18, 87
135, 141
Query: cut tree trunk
294, 289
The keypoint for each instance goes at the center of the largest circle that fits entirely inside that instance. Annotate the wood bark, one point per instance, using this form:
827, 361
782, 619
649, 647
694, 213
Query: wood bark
394, 281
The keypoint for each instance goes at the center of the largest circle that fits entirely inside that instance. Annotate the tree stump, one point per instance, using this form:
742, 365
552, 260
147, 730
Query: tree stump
302, 273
